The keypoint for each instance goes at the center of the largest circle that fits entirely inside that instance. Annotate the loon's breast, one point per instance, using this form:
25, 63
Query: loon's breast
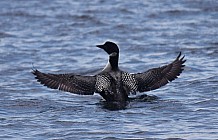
115, 85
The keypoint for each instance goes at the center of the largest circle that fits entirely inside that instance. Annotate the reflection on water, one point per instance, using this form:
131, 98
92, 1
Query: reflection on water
113, 106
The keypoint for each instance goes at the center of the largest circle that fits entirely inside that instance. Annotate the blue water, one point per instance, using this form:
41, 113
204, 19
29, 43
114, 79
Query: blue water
60, 36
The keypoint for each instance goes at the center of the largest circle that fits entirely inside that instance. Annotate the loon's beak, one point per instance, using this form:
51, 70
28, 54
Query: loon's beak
100, 46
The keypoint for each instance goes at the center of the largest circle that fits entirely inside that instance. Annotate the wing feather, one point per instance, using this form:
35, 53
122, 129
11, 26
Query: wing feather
158, 77
67, 82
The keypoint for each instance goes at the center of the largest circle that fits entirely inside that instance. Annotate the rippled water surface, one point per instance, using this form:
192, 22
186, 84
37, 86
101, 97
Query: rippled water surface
60, 37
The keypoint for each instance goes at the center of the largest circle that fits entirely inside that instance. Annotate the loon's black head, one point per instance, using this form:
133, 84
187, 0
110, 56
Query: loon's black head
109, 47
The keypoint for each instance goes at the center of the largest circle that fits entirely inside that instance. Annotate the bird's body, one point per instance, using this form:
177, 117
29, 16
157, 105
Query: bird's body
113, 84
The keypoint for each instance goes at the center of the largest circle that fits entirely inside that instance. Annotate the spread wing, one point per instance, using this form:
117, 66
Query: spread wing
158, 77
77, 84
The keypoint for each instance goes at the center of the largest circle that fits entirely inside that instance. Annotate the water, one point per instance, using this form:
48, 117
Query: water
60, 36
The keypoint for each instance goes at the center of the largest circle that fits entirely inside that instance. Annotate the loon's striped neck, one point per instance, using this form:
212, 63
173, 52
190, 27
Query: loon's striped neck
113, 61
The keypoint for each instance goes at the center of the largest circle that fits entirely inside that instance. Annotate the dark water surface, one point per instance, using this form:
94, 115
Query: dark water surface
60, 36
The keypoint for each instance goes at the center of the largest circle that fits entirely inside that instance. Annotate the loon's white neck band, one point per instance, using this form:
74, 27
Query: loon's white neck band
107, 68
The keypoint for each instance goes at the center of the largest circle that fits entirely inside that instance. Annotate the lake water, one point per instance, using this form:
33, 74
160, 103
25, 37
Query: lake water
59, 36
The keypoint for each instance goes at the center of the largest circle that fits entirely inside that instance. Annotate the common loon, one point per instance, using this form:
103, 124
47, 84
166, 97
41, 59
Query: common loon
113, 84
